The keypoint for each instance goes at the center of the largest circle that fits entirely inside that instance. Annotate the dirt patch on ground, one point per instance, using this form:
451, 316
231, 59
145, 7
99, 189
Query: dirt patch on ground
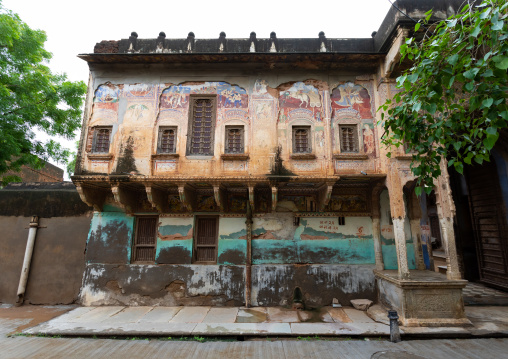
36, 314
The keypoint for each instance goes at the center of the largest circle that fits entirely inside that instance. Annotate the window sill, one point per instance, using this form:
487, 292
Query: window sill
199, 157
405, 157
351, 157
165, 156
100, 156
235, 156
303, 156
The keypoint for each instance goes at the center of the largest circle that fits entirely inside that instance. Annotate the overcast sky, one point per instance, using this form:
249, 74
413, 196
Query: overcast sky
73, 27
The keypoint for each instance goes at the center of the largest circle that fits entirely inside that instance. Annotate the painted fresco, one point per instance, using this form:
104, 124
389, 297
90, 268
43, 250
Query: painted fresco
347, 203
300, 101
237, 202
232, 96
369, 144
350, 100
206, 203
175, 97
105, 109
175, 205
106, 94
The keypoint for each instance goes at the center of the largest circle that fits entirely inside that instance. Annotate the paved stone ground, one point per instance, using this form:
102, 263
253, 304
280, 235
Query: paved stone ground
260, 321
479, 294
17, 347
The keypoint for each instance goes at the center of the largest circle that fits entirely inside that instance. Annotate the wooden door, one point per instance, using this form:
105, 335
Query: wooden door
206, 239
488, 215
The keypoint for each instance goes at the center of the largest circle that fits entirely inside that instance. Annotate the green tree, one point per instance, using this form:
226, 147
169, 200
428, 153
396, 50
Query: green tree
32, 98
453, 100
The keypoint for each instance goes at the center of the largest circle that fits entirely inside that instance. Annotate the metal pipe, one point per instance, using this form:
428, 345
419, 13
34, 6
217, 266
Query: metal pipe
34, 224
248, 262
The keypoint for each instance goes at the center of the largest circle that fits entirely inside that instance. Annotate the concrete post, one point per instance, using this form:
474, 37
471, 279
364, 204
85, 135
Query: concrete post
416, 233
448, 237
376, 234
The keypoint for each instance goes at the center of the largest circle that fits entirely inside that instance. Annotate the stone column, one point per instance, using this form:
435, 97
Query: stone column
376, 234
446, 212
398, 213
416, 233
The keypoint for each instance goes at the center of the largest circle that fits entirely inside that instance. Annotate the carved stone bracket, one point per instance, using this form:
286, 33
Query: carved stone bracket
157, 198
219, 194
186, 196
274, 198
325, 194
125, 199
93, 197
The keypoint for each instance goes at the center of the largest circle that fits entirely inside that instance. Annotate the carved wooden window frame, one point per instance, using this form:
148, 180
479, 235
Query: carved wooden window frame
160, 139
227, 140
294, 131
192, 111
96, 132
150, 246
356, 142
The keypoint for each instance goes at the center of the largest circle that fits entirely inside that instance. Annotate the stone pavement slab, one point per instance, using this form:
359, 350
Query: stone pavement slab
98, 314
315, 316
282, 315
357, 316
321, 329
338, 315
129, 315
242, 329
160, 315
191, 315
252, 315
221, 315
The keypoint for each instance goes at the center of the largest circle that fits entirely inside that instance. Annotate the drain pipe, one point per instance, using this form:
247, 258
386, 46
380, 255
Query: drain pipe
248, 262
34, 224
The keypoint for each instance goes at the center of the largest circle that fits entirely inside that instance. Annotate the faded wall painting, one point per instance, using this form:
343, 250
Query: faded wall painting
300, 101
350, 100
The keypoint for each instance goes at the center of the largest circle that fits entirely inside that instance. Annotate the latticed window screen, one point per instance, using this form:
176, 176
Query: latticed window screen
348, 139
234, 139
145, 241
301, 140
202, 125
101, 140
167, 140
206, 240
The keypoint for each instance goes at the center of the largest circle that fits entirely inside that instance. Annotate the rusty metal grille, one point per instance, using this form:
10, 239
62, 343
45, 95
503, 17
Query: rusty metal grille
206, 240
145, 244
102, 140
167, 139
202, 127
348, 139
234, 140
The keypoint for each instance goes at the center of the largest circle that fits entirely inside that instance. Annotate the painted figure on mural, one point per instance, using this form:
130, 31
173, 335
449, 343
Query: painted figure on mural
352, 97
175, 97
368, 140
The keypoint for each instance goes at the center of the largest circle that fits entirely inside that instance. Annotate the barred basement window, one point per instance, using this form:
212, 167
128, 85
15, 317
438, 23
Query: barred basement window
348, 139
234, 139
301, 139
201, 126
101, 139
145, 240
167, 140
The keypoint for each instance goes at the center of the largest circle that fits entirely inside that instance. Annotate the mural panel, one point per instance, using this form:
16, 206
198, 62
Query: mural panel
300, 101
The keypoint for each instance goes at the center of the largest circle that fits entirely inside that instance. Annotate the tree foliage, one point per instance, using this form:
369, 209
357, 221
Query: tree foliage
453, 100
32, 98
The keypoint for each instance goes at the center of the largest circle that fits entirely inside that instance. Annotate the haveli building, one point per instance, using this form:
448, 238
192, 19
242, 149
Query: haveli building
250, 172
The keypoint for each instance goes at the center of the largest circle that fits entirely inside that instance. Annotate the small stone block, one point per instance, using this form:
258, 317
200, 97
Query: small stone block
361, 304
335, 303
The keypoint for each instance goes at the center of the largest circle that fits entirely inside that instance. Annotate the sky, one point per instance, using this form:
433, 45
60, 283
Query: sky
73, 27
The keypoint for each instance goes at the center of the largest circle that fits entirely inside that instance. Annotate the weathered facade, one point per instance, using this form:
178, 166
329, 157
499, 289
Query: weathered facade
250, 171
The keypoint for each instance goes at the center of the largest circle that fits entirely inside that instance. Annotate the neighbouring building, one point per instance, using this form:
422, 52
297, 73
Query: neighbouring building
250, 172
48, 173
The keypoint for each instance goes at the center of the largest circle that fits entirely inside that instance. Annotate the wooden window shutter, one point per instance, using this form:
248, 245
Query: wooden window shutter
301, 140
101, 139
145, 239
234, 139
206, 239
166, 140
202, 126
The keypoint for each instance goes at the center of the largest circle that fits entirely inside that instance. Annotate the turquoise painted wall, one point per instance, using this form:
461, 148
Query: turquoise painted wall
174, 240
110, 238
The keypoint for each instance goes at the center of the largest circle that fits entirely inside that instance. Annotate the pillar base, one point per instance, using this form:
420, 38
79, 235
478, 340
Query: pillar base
427, 299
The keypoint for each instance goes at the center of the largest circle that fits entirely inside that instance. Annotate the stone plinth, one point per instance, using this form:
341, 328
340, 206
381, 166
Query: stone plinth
426, 299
